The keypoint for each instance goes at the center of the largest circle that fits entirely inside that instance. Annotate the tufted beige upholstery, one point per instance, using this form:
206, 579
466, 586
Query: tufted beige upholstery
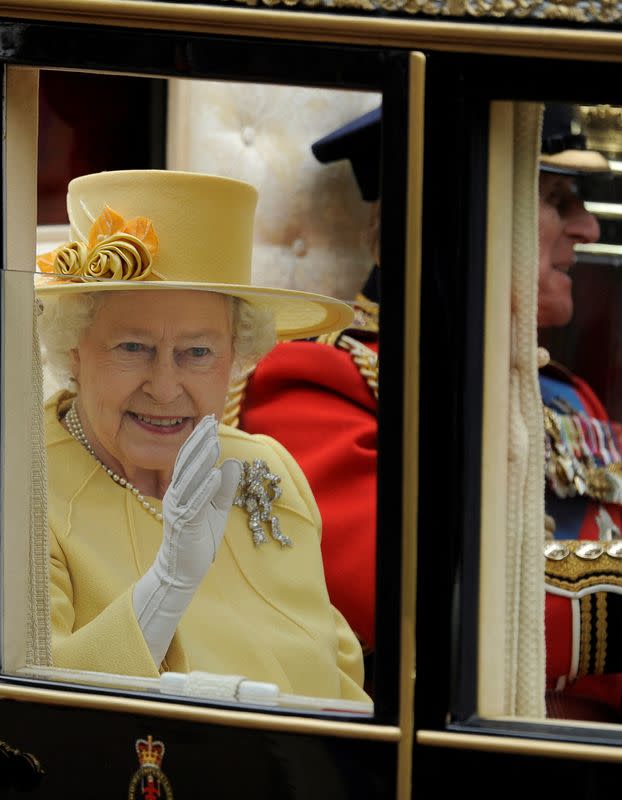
311, 224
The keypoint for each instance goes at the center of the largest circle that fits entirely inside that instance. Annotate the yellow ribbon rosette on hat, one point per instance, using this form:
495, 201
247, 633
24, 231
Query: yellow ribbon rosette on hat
116, 250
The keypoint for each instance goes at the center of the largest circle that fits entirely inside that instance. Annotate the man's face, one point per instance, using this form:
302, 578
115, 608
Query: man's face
563, 223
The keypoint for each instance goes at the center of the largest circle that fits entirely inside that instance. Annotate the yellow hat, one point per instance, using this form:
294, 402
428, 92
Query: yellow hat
159, 229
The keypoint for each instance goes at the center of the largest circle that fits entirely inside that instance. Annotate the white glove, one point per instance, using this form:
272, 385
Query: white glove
195, 508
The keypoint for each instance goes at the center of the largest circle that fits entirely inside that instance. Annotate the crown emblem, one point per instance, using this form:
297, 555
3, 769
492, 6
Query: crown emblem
149, 782
602, 126
150, 753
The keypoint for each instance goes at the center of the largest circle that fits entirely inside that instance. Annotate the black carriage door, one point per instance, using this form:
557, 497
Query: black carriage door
80, 97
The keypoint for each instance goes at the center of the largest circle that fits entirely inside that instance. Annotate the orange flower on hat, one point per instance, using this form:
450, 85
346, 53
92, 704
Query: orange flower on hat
116, 250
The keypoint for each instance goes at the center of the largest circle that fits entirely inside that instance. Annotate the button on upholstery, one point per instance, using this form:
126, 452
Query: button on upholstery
299, 246
248, 135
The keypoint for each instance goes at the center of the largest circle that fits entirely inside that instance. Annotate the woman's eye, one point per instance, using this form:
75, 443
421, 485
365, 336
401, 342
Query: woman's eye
199, 352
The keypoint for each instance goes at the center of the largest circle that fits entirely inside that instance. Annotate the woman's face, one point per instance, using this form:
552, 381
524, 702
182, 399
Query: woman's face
563, 223
148, 368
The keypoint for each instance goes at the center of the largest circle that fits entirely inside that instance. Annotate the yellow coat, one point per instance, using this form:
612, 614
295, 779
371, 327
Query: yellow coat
262, 611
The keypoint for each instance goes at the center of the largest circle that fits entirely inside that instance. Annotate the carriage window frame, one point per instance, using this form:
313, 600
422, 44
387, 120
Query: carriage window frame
369, 69
457, 692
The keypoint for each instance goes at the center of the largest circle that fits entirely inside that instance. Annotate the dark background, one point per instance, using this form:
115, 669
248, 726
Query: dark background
89, 123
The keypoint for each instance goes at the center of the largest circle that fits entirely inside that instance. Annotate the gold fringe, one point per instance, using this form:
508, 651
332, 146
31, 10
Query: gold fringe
600, 655
365, 359
586, 635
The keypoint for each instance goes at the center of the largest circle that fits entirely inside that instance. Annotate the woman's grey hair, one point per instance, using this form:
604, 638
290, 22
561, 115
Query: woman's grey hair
64, 319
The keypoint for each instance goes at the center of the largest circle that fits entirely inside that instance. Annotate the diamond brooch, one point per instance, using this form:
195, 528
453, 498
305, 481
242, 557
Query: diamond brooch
257, 490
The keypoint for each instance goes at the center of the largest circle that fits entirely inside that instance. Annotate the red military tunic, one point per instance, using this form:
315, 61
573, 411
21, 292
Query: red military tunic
581, 632
313, 398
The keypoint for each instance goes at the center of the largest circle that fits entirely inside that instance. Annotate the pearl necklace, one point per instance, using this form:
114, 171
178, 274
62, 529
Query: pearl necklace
74, 426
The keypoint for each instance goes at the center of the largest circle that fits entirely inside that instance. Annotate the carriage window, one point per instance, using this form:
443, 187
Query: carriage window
572, 257
127, 376
583, 415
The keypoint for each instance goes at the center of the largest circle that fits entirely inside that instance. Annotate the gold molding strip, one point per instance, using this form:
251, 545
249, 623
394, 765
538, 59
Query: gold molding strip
555, 10
507, 39
211, 716
529, 747
410, 479
492, 677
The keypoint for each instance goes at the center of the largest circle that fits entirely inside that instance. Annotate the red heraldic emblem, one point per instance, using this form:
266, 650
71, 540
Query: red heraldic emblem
149, 782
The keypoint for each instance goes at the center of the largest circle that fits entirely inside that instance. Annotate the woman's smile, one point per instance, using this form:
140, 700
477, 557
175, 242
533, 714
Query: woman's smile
160, 425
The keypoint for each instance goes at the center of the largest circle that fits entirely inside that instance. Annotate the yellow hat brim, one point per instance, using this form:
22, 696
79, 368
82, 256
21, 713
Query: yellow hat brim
297, 314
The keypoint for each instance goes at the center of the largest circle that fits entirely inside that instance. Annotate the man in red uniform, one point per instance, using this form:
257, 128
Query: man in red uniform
579, 512
583, 453
329, 387
331, 383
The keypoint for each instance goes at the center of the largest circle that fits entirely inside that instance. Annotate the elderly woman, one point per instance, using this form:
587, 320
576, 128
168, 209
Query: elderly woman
177, 543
